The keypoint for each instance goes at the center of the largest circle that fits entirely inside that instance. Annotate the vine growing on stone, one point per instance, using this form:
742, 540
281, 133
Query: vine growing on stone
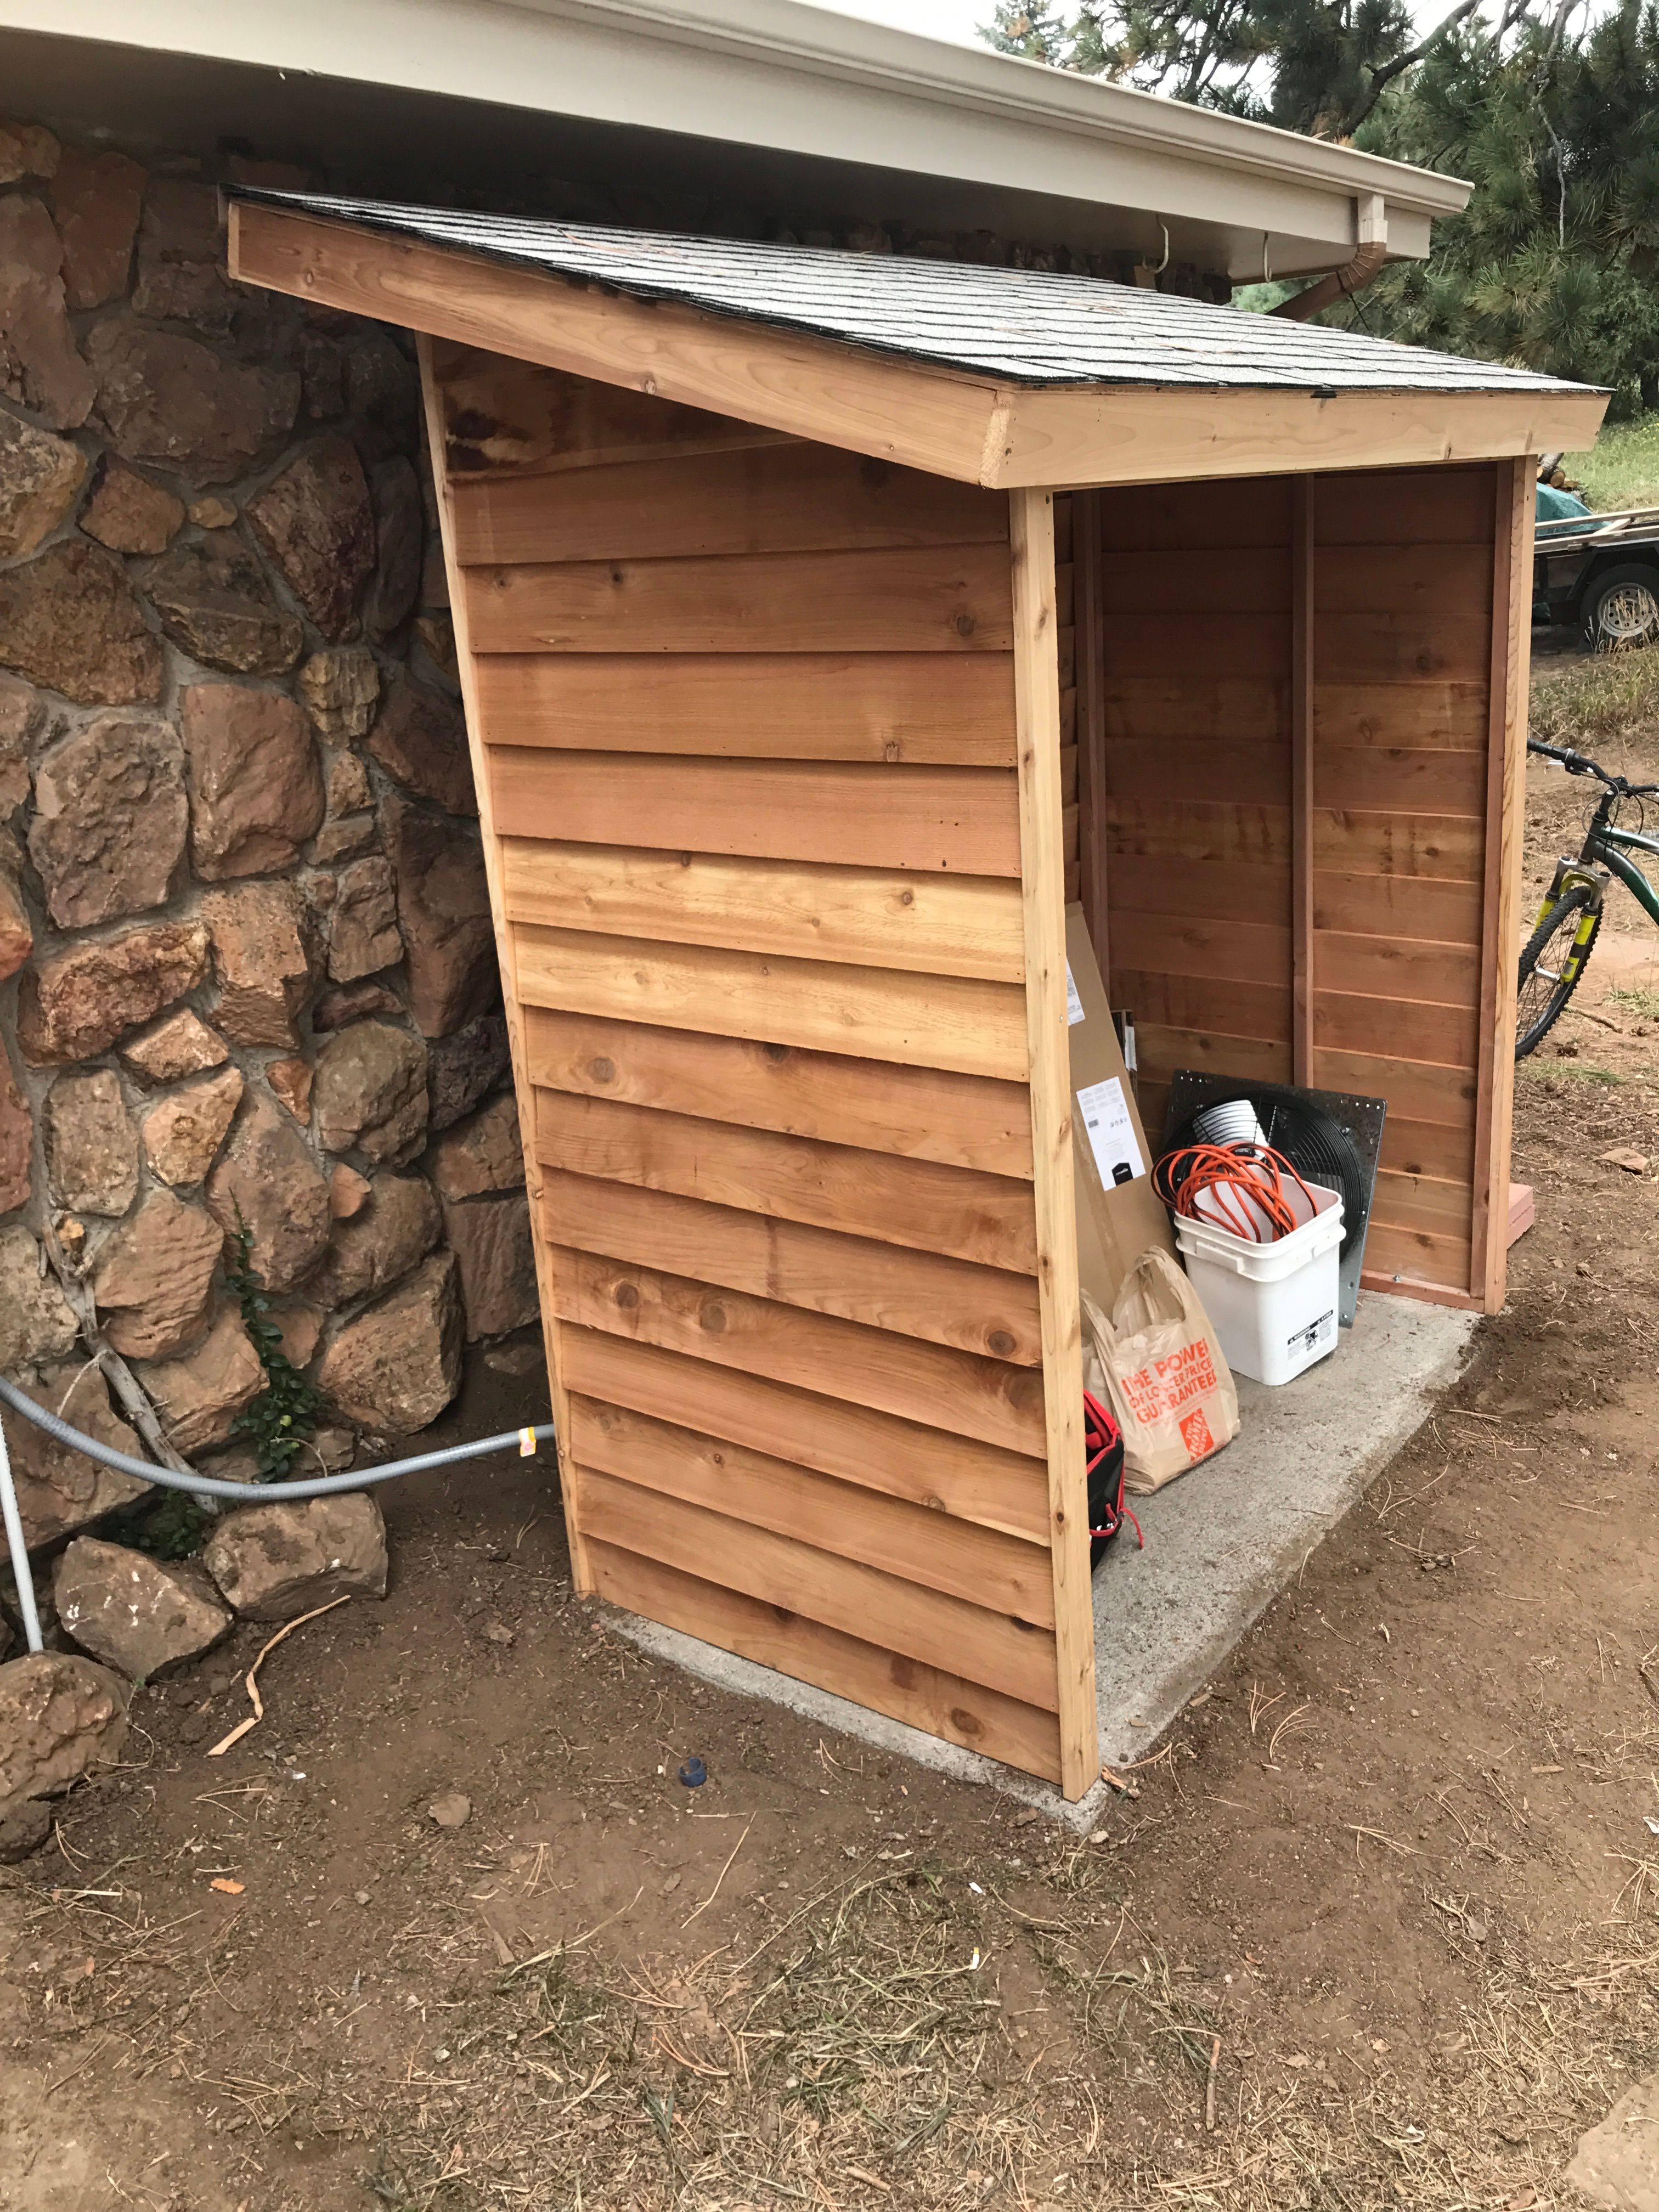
283, 1418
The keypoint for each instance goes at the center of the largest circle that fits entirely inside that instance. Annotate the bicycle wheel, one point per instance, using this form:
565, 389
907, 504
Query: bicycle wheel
1551, 965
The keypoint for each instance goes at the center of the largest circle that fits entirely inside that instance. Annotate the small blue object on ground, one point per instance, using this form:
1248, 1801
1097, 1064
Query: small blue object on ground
694, 1773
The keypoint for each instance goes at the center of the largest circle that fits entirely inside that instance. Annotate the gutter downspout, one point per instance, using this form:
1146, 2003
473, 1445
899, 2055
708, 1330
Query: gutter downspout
1354, 274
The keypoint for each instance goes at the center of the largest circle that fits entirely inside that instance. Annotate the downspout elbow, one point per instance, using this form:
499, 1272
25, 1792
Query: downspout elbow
1369, 256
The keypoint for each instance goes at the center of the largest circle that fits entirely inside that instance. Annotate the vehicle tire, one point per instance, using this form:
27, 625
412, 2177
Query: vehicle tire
1555, 957
1620, 608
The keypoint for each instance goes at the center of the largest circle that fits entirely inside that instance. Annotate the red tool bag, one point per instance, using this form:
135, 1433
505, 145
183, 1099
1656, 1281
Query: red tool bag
1103, 1451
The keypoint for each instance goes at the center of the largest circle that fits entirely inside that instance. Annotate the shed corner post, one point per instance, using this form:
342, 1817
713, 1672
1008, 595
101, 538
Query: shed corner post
581, 1572
1043, 881
1506, 811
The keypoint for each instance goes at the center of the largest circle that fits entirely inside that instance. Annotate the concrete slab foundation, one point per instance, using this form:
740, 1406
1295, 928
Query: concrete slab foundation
1221, 1542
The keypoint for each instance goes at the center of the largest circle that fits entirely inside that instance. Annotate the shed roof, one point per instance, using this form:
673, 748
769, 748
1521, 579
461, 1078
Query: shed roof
994, 376
1023, 326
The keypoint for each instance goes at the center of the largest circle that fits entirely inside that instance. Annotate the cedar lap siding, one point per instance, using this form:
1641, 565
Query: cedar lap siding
777, 749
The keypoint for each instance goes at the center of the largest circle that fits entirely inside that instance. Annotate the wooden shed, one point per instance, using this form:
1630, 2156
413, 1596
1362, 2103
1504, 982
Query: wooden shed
825, 622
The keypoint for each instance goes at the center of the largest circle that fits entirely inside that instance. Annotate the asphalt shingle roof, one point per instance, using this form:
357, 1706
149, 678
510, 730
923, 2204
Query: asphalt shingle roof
1016, 324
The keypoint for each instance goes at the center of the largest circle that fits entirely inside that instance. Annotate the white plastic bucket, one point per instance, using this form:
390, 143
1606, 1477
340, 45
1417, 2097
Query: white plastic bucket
1273, 1306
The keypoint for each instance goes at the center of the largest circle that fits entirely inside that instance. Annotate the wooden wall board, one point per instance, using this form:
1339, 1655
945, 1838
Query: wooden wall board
948, 599
884, 1285
918, 1113
1414, 716
955, 1477
949, 1022
781, 497
930, 925
925, 1697
899, 1614
934, 1550
960, 1392
892, 1197
770, 810
912, 709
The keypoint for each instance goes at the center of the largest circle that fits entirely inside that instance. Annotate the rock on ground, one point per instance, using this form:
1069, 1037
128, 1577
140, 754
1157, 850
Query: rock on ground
59, 1490
76, 1005
1617, 2161
92, 1152
274, 1562
399, 1364
140, 1615
111, 814
61, 1717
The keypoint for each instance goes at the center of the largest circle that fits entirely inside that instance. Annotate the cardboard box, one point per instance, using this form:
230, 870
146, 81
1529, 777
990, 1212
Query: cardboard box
1119, 1216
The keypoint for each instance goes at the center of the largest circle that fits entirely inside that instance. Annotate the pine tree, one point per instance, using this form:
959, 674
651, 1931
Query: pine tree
1553, 263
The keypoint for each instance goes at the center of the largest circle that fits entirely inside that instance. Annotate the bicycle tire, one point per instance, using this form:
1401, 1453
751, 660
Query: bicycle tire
1575, 905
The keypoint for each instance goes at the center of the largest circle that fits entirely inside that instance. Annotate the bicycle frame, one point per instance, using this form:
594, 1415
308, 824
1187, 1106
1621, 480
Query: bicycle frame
1605, 847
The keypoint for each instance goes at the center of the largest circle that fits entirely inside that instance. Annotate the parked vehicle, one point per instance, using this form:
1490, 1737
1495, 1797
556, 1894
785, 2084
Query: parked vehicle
1570, 919
1598, 571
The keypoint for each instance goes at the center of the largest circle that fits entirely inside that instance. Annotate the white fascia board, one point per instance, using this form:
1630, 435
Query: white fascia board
777, 74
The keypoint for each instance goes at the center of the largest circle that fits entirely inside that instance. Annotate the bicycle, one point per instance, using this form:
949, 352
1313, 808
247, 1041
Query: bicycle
1570, 919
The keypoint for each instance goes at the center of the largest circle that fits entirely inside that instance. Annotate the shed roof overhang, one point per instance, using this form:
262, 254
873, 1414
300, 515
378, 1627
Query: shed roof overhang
760, 102
997, 377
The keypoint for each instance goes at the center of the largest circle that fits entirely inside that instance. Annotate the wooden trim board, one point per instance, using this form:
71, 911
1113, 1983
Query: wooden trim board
1036, 693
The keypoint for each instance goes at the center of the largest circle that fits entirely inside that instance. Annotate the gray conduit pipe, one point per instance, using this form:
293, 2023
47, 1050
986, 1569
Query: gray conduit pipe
204, 1485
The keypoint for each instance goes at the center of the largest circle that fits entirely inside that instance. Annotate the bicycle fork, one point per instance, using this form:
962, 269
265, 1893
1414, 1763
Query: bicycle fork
1568, 873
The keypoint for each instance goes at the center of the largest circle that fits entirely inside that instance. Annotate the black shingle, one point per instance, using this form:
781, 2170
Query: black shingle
1012, 324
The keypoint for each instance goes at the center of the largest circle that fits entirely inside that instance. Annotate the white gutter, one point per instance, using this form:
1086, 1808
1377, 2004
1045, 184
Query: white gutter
792, 78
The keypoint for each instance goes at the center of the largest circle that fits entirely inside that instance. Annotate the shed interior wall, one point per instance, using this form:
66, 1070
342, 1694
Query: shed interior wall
743, 719
1295, 736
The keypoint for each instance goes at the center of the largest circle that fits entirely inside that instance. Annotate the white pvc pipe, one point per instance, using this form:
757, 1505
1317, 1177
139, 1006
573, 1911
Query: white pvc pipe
19, 1550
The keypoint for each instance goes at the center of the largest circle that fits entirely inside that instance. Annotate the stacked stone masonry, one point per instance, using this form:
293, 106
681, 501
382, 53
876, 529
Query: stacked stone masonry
249, 974
246, 968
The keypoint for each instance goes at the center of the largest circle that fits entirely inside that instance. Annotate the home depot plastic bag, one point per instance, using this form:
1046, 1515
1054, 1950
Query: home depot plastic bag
1164, 1373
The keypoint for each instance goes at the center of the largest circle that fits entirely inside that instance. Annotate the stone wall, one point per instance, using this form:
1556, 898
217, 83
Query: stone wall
242, 901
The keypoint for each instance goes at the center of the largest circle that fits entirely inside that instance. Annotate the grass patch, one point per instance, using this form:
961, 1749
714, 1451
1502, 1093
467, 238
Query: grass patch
1576, 1071
1645, 1005
1621, 470
1597, 698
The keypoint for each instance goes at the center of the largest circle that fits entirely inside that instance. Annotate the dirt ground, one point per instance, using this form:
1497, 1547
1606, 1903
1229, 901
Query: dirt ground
1380, 1927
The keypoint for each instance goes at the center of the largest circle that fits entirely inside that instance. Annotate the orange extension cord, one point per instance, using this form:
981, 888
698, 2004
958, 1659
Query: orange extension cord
1228, 1173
